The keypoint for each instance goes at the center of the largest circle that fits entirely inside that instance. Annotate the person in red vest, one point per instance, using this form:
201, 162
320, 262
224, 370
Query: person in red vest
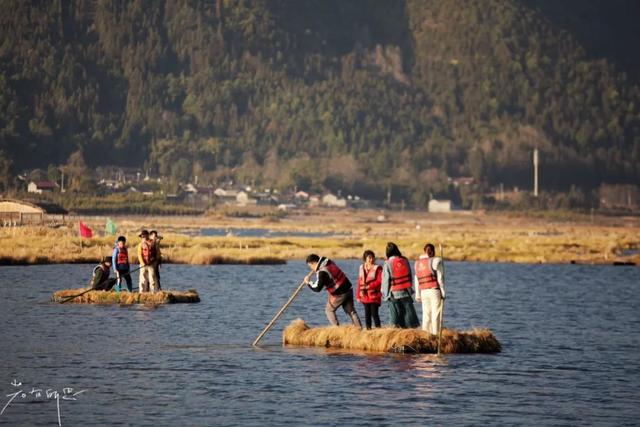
429, 286
397, 288
120, 263
147, 259
330, 277
368, 289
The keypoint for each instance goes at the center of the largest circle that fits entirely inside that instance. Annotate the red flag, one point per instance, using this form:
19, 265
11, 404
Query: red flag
85, 231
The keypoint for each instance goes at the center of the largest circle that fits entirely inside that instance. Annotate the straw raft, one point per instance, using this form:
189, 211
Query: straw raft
112, 297
392, 340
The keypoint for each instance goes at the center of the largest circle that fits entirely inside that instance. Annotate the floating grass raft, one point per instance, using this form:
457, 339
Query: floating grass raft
112, 297
392, 340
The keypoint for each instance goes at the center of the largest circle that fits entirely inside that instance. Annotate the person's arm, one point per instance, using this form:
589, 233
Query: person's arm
114, 258
440, 273
385, 288
98, 278
321, 281
416, 287
140, 259
158, 254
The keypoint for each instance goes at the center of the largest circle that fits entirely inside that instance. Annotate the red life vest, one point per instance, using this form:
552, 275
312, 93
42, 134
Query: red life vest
148, 252
337, 276
369, 283
427, 278
123, 256
400, 273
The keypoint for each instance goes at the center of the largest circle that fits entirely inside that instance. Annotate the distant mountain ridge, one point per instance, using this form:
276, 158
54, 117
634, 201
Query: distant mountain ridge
360, 96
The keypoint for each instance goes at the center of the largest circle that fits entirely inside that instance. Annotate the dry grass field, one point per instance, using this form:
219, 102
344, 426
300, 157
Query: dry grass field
482, 237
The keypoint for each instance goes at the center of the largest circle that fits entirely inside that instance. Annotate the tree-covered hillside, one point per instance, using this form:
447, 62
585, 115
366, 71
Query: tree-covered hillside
359, 96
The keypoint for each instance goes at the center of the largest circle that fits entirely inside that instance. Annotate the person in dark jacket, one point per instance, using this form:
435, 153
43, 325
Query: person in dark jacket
330, 277
120, 263
100, 279
397, 289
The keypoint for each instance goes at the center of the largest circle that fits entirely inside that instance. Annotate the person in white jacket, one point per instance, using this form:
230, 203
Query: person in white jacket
429, 286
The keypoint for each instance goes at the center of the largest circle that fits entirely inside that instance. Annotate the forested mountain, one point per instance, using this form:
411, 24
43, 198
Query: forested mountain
360, 96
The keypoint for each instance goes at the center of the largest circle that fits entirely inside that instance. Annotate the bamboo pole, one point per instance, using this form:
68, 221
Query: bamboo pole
279, 313
442, 301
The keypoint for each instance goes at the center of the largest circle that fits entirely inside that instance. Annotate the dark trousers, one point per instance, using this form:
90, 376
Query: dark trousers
402, 313
371, 311
346, 302
124, 274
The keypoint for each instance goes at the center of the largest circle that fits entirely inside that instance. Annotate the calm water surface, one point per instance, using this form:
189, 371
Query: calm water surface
570, 335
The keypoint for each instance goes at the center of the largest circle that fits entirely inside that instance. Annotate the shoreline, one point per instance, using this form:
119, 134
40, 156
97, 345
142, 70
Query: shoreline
344, 234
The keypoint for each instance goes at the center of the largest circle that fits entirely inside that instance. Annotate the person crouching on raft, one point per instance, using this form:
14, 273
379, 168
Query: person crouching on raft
368, 290
100, 278
120, 262
397, 288
429, 287
330, 277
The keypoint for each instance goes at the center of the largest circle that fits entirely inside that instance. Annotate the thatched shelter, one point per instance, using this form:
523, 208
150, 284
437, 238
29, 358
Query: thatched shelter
389, 339
112, 297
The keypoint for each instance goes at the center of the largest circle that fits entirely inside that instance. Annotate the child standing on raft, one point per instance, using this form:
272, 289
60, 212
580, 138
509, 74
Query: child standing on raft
368, 290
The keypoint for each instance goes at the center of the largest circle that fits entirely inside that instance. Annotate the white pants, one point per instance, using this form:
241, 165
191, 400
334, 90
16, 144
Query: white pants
431, 309
148, 279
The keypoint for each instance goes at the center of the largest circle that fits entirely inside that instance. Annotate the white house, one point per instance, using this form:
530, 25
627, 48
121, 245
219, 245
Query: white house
439, 206
41, 187
243, 199
333, 201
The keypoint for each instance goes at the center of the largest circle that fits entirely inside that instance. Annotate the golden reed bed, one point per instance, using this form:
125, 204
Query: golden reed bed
392, 340
111, 297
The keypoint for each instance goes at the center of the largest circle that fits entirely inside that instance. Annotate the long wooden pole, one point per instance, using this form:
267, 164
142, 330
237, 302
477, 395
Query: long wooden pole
91, 288
441, 302
279, 313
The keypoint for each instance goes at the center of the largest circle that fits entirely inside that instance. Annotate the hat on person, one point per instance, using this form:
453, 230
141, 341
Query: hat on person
143, 233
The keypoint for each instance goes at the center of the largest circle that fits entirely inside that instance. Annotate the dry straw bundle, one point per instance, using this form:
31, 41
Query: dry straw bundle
111, 297
390, 339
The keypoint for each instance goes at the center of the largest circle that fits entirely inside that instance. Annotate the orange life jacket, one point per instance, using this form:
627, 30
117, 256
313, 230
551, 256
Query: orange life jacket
337, 276
123, 257
400, 273
427, 278
367, 283
148, 252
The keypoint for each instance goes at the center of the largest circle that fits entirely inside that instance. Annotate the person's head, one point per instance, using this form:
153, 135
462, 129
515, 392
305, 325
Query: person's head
107, 261
121, 241
430, 250
144, 235
312, 261
153, 235
368, 256
392, 250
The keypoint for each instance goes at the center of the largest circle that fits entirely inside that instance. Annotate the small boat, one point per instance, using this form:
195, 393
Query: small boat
113, 297
391, 340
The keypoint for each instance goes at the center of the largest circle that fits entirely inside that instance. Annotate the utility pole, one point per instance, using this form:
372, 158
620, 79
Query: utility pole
535, 172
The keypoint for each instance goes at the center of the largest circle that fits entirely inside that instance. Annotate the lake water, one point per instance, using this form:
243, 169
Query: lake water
570, 335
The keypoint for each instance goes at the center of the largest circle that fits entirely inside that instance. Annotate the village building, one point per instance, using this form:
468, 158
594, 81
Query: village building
18, 212
41, 187
439, 206
334, 201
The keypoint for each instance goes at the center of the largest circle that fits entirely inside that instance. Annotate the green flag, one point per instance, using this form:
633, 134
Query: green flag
110, 228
